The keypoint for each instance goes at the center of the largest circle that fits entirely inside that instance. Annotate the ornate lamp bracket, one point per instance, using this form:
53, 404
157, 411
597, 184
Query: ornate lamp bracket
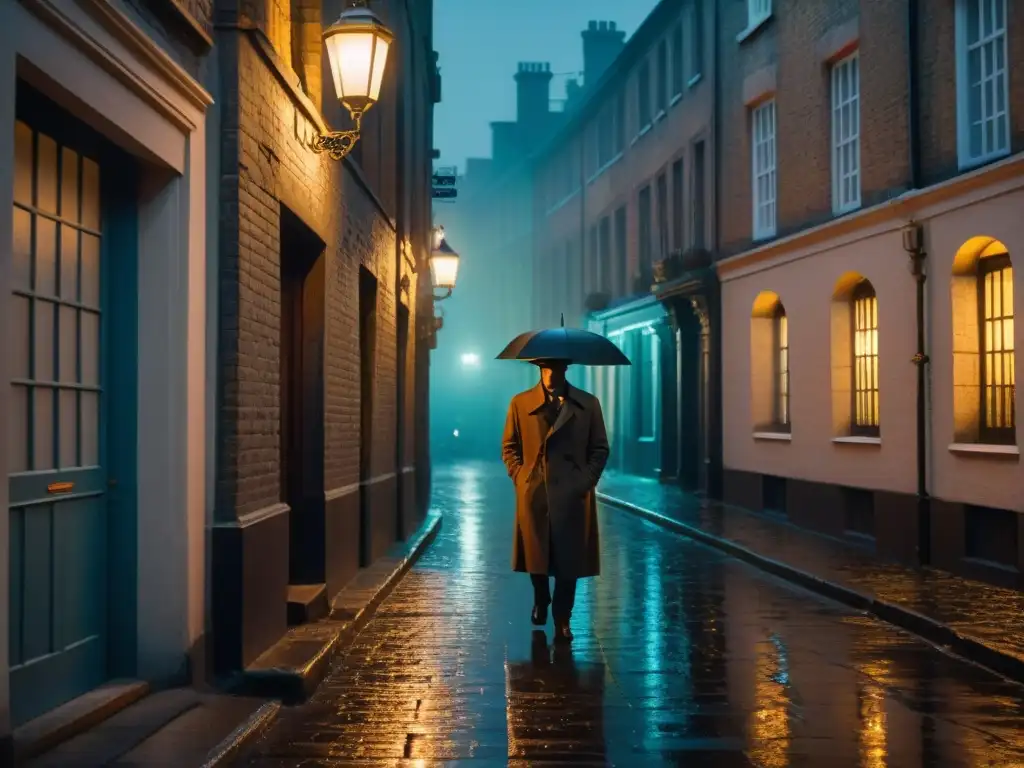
338, 144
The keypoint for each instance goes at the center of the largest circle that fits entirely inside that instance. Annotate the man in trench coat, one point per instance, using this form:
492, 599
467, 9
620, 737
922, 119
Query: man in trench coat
555, 448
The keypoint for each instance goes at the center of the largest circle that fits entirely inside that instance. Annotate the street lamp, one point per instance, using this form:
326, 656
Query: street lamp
357, 50
444, 267
470, 359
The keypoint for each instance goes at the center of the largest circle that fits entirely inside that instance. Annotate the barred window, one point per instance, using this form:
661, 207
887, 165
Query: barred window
865, 360
995, 300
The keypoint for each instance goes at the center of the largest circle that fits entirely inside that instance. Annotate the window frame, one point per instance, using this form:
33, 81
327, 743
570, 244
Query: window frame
678, 204
644, 113
837, 143
644, 209
758, 11
994, 435
678, 60
769, 171
781, 400
696, 62
963, 117
661, 80
862, 291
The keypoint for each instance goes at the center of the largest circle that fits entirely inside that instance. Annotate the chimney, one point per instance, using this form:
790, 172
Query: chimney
533, 92
602, 43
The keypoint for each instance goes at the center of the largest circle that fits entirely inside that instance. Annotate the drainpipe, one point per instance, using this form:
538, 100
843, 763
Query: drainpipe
913, 244
913, 145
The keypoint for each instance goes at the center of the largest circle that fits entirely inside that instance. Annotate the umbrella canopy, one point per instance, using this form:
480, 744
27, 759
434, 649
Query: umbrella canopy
573, 344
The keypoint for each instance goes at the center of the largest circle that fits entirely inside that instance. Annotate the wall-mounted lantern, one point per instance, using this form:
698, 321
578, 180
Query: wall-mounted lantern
357, 50
444, 265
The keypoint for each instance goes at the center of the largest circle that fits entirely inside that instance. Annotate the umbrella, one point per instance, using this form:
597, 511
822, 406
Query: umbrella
573, 344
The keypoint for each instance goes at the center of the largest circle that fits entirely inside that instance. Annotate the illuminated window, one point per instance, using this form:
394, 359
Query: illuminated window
995, 300
865, 360
781, 338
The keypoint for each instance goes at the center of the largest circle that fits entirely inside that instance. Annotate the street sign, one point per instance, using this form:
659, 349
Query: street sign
445, 176
441, 193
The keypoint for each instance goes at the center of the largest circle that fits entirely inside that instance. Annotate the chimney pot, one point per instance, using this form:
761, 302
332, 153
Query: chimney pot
592, 25
611, 25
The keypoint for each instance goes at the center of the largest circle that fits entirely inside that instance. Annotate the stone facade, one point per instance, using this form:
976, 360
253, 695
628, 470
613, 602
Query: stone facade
321, 288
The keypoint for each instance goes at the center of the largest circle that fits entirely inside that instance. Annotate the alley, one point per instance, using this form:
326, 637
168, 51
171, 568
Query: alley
682, 657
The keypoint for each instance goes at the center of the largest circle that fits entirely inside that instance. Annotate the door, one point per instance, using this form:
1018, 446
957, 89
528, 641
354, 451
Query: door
57, 480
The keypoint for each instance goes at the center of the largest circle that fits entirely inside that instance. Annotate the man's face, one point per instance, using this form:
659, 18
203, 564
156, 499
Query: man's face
552, 374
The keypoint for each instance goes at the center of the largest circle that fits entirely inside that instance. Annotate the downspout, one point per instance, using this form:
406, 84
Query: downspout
914, 245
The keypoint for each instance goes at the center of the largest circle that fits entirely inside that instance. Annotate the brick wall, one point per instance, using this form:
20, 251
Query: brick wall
937, 86
266, 162
799, 41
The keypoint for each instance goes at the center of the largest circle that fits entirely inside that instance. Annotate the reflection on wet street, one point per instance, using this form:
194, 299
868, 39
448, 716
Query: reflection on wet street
682, 656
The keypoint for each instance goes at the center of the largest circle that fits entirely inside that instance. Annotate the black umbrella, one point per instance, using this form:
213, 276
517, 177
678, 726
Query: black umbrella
573, 344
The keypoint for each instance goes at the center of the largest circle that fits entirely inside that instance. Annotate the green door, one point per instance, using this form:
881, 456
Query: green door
58, 481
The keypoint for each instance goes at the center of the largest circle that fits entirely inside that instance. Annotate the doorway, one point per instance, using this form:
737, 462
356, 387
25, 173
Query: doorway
303, 281
367, 371
73, 432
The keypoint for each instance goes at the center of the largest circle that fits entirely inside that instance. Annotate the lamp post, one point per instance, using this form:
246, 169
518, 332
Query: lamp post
357, 50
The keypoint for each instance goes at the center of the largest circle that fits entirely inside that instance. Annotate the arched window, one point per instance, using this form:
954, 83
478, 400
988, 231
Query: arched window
780, 342
769, 365
984, 361
856, 398
864, 323
995, 298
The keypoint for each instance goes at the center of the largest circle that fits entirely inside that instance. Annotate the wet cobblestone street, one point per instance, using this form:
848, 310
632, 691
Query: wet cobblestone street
682, 656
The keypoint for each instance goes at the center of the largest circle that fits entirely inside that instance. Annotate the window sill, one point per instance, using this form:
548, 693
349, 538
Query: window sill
605, 167
985, 449
694, 80
753, 27
970, 163
845, 209
641, 133
760, 237
857, 440
781, 437
676, 99
660, 116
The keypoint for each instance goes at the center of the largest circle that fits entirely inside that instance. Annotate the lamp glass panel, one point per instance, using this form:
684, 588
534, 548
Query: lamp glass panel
351, 60
380, 61
443, 270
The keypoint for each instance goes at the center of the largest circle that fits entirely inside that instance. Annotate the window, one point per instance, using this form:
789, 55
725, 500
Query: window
606, 255
983, 119
865, 360
593, 263
620, 123
758, 11
780, 333
698, 195
621, 253
662, 95
677, 204
677, 60
643, 94
846, 135
645, 368
605, 128
696, 40
998, 412
662, 216
644, 212
762, 122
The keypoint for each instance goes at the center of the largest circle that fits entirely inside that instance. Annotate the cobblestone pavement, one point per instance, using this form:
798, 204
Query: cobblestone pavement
682, 656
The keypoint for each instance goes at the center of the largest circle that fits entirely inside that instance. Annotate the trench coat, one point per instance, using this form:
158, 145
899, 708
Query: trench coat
555, 473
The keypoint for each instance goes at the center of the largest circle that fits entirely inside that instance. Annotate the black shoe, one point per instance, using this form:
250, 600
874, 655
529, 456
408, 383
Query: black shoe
540, 615
562, 632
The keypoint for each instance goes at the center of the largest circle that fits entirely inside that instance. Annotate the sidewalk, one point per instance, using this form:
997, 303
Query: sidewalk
980, 622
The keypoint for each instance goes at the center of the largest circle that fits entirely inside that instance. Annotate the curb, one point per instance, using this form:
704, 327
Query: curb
249, 732
319, 643
1001, 662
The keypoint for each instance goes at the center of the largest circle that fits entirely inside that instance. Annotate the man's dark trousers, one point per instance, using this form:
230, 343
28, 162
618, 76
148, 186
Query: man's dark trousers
565, 592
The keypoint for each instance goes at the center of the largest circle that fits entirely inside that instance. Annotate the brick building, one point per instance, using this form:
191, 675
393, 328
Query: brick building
103, 185
622, 200
321, 306
869, 206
